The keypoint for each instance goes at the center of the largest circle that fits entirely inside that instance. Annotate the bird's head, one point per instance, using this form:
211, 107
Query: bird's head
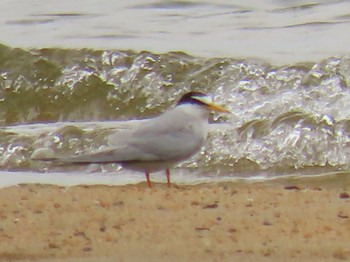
201, 99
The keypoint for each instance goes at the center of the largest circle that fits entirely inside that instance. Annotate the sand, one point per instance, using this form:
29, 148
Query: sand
269, 221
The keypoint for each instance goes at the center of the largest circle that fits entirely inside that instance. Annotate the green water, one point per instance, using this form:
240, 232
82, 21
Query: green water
291, 119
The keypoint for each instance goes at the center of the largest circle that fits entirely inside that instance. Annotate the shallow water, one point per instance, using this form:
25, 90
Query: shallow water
277, 30
290, 105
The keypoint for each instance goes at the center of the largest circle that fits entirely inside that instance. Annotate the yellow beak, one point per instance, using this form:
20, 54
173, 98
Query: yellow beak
218, 108
209, 103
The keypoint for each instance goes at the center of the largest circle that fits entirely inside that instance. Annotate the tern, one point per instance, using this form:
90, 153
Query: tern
157, 143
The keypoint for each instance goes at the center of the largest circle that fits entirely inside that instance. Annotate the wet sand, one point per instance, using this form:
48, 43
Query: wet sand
269, 221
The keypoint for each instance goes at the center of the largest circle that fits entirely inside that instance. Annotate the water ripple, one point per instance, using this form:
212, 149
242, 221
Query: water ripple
284, 118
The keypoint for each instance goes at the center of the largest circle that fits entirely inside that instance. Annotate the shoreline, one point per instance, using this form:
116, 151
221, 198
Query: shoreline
124, 178
261, 221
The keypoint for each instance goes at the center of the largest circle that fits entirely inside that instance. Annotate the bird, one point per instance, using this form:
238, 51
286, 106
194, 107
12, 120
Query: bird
157, 143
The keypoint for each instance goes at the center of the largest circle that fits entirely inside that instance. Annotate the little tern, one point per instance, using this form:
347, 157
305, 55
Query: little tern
157, 143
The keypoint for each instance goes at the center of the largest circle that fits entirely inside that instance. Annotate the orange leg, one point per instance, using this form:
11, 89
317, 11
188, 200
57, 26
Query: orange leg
149, 184
167, 173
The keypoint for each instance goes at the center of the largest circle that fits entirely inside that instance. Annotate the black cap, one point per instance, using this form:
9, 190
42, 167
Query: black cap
188, 98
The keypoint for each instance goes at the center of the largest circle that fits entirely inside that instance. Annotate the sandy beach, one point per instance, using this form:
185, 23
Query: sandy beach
261, 221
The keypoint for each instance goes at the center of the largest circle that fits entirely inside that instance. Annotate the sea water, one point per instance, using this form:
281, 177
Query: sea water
72, 72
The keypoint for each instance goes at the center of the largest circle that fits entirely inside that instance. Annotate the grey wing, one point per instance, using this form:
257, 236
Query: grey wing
144, 144
169, 146
165, 139
114, 155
